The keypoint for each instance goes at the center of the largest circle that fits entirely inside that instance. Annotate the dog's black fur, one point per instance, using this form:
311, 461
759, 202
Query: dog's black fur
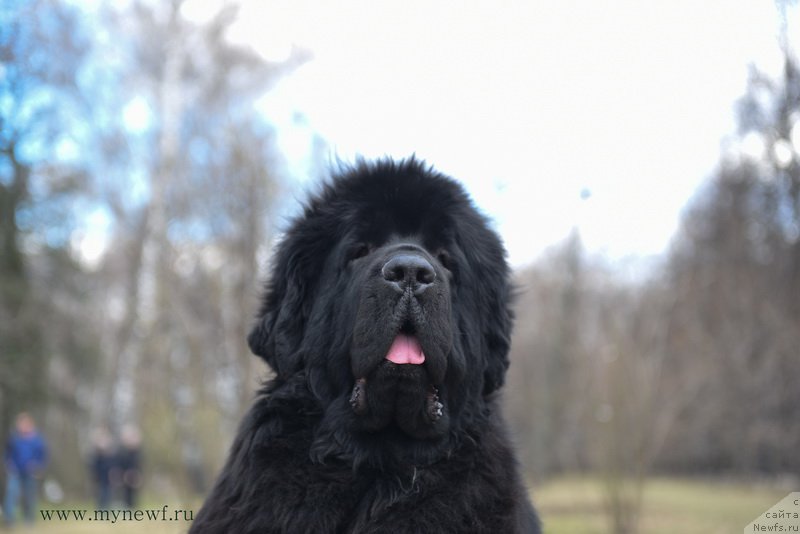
343, 440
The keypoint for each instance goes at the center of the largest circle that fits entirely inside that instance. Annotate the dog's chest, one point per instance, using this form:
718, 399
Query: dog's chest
343, 502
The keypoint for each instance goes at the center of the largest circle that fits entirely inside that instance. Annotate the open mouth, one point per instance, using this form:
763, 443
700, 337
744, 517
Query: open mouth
405, 350
403, 394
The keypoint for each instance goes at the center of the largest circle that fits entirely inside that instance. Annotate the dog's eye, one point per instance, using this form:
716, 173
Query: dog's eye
359, 251
445, 259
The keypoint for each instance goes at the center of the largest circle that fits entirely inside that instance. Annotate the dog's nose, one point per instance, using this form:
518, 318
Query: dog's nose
409, 270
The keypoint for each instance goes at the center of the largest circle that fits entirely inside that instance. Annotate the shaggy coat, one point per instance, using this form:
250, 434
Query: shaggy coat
387, 323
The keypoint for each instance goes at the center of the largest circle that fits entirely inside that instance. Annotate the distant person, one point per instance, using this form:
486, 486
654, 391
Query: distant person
101, 464
25, 460
129, 464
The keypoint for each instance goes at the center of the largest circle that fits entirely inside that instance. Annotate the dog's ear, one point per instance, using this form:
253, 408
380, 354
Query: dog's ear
497, 335
280, 325
486, 255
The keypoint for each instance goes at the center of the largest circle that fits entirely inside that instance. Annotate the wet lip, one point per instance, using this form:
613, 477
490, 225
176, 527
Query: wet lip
405, 350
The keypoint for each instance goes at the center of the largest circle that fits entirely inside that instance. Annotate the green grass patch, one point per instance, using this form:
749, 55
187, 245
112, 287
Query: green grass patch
576, 505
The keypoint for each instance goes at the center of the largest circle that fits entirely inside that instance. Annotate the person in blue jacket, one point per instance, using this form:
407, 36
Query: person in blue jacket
25, 459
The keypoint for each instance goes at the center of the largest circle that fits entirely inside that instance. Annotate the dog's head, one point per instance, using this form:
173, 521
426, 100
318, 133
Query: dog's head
391, 294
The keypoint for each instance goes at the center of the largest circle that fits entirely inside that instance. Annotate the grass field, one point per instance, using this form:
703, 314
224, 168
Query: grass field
575, 506
567, 506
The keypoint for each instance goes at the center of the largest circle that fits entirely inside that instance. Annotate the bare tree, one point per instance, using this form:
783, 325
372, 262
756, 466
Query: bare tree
185, 280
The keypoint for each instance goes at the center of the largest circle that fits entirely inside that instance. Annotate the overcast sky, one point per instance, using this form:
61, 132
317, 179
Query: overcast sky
605, 116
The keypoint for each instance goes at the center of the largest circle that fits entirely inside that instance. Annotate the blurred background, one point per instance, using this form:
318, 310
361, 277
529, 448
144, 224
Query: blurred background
641, 162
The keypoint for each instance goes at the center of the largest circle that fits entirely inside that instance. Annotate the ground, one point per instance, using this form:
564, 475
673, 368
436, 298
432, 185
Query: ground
567, 505
575, 506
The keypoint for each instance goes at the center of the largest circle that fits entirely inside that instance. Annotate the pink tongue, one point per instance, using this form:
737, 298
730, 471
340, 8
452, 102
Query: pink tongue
405, 349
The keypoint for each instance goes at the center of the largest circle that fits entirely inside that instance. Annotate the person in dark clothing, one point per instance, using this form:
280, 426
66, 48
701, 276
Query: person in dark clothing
25, 459
129, 464
101, 465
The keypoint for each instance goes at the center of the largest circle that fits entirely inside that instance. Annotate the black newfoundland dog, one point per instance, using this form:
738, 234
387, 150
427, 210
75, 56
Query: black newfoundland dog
387, 323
